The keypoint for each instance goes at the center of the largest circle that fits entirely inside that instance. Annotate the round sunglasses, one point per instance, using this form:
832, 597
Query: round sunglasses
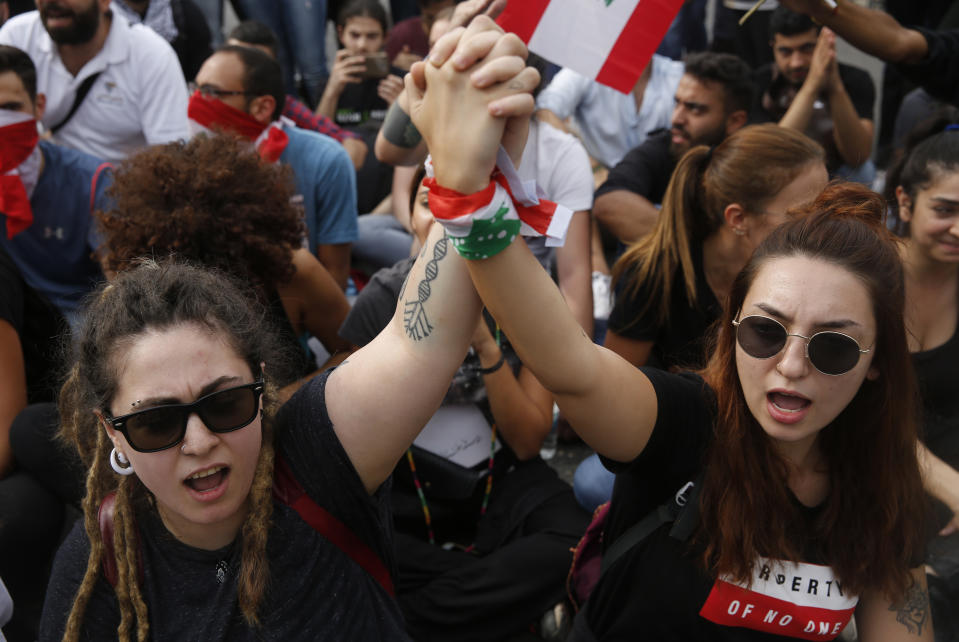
162, 427
831, 353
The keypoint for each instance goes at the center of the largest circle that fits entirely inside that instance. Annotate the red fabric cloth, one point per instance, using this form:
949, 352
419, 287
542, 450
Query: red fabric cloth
216, 114
17, 142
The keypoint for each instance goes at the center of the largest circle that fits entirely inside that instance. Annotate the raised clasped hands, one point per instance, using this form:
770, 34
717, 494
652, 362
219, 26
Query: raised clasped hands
824, 68
472, 94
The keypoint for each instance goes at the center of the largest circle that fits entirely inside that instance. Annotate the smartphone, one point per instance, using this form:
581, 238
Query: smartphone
377, 65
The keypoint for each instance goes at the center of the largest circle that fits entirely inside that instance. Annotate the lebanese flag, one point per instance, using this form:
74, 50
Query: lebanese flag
610, 41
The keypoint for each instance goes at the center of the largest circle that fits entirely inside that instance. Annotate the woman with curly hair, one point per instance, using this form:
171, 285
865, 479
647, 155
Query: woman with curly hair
802, 425
212, 201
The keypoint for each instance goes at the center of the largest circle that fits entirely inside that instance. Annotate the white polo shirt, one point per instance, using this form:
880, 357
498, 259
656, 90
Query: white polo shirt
139, 99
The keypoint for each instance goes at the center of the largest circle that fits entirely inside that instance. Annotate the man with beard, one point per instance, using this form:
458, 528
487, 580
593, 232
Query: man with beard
240, 89
111, 87
806, 89
712, 101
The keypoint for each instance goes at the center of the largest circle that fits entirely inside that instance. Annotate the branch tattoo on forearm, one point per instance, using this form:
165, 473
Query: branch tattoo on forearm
913, 611
415, 321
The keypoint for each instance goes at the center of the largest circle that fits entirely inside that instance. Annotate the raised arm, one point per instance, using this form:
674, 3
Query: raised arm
383, 395
609, 402
872, 31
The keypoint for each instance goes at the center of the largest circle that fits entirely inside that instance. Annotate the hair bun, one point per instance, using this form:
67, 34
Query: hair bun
845, 199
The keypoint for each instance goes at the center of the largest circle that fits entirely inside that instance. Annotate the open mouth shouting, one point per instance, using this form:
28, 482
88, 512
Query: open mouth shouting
209, 483
787, 406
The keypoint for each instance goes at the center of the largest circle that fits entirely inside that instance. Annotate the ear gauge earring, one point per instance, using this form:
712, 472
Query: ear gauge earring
119, 463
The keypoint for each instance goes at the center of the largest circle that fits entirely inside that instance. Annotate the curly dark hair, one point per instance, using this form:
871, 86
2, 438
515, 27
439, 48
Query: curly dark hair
211, 201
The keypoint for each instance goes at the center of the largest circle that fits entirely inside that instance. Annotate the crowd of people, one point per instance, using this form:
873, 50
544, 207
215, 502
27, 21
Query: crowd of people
282, 334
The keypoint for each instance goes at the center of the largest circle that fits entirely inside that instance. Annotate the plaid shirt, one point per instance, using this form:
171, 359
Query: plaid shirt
304, 118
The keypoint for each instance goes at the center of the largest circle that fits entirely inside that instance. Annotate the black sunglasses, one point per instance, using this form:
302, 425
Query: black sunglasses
831, 353
163, 427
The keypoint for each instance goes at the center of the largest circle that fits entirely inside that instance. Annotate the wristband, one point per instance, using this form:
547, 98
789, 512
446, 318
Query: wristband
482, 224
496, 366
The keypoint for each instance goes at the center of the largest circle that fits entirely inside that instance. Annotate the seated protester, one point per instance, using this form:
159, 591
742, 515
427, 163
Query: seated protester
179, 22
251, 33
483, 536
609, 122
48, 194
408, 40
164, 347
925, 57
361, 88
240, 90
32, 515
808, 90
720, 204
242, 222
924, 188
712, 102
362, 85
111, 87
777, 432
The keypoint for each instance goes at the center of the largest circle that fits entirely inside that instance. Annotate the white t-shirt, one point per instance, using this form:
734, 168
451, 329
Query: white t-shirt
607, 119
560, 166
139, 99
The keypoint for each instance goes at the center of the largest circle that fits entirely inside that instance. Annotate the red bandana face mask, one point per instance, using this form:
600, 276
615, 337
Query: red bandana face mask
18, 144
211, 114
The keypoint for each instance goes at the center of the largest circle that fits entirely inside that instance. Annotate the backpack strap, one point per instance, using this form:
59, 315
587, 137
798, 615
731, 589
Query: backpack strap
82, 92
682, 509
287, 489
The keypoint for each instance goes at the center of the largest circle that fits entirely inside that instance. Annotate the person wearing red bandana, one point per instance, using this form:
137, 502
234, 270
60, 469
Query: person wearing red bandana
47, 194
43, 258
240, 90
111, 87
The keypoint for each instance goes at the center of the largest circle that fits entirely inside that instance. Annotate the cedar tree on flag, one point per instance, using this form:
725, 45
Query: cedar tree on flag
610, 41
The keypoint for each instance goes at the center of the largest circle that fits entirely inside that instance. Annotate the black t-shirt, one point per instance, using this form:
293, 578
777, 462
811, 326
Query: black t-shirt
775, 94
680, 342
658, 590
316, 591
936, 372
38, 324
645, 170
938, 72
360, 106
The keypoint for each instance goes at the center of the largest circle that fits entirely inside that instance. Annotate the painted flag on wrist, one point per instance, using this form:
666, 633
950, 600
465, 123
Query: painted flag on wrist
610, 41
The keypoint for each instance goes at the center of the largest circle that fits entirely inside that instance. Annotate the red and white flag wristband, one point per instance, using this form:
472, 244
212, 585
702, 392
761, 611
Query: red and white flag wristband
482, 224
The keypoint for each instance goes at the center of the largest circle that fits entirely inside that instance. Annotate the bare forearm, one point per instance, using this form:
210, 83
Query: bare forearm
852, 136
520, 420
626, 214
874, 32
384, 393
800, 109
609, 403
336, 259
327, 105
940, 479
573, 267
